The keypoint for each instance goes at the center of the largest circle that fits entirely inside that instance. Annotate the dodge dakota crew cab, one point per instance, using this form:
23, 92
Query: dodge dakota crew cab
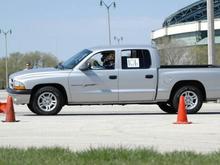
115, 75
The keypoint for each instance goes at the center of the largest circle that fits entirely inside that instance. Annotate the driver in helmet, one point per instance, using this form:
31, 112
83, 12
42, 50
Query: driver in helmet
108, 60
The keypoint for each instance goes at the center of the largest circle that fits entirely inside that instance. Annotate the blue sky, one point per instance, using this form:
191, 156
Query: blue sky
64, 27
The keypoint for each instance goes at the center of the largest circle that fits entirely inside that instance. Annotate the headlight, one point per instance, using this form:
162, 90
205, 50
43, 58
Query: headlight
17, 85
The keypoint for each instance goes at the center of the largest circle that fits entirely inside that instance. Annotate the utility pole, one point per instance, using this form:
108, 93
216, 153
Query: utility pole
108, 11
211, 32
6, 55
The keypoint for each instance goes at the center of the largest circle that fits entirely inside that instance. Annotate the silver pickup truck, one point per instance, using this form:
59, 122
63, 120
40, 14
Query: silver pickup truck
115, 75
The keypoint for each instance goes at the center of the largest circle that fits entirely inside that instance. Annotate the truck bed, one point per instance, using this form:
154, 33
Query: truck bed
189, 66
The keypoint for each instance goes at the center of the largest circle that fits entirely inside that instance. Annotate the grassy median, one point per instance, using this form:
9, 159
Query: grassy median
58, 156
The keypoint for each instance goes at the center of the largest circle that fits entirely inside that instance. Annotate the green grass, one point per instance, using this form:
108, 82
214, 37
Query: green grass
59, 156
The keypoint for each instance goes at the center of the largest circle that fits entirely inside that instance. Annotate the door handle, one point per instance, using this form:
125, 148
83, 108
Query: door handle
112, 77
149, 76
87, 85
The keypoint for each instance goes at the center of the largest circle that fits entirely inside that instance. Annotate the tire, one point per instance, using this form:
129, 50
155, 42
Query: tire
31, 108
166, 107
193, 98
47, 100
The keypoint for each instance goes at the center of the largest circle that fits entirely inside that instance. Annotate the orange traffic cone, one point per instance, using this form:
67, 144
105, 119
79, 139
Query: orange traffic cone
2, 107
182, 114
10, 114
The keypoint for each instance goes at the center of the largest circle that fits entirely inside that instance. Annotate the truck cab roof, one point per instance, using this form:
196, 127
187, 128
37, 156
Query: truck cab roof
101, 48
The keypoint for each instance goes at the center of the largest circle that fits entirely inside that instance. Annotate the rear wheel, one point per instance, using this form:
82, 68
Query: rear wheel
166, 107
193, 98
47, 100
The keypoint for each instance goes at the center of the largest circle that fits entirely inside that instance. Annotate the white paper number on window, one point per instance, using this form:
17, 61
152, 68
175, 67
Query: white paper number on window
133, 62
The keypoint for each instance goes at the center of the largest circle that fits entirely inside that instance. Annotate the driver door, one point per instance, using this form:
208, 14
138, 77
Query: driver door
98, 84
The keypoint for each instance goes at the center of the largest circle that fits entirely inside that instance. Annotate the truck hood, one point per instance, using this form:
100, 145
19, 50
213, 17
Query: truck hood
39, 72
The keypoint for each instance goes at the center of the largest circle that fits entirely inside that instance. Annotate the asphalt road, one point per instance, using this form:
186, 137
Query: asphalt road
83, 127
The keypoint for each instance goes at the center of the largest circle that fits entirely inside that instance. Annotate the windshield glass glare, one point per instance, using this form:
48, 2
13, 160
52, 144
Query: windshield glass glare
76, 59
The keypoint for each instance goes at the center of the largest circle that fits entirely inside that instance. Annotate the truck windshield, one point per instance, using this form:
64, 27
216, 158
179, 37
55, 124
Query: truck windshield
74, 60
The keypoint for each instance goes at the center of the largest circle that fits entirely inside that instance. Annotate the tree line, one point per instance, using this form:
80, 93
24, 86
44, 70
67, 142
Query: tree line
17, 61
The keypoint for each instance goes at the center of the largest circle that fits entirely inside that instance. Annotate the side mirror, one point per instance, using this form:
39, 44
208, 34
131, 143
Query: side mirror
85, 66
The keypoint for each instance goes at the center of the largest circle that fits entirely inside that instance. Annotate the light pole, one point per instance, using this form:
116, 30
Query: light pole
118, 39
211, 32
6, 55
108, 8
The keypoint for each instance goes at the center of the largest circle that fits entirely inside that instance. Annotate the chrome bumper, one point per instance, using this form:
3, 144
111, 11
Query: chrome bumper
20, 97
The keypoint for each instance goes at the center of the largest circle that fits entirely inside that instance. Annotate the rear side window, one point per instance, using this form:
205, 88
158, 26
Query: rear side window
135, 59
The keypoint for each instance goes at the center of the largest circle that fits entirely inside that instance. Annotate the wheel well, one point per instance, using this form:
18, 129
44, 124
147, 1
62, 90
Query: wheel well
58, 86
189, 82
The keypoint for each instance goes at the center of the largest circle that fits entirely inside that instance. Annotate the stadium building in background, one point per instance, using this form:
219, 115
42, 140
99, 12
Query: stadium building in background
188, 25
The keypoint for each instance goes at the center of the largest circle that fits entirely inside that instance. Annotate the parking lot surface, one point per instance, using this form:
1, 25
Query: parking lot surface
82, 127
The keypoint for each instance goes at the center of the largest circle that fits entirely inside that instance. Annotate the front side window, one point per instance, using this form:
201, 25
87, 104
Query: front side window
135, 59
103, 60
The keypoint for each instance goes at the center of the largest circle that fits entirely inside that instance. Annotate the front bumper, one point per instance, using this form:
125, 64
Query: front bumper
20, 96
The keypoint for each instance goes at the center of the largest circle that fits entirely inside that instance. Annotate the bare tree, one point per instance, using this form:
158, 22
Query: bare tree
174, 52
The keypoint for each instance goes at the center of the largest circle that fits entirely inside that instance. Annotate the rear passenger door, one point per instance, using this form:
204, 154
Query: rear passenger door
137, 80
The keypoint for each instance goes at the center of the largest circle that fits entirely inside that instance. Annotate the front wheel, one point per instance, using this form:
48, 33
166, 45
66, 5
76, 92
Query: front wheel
193, 98
30, 107
47, 100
